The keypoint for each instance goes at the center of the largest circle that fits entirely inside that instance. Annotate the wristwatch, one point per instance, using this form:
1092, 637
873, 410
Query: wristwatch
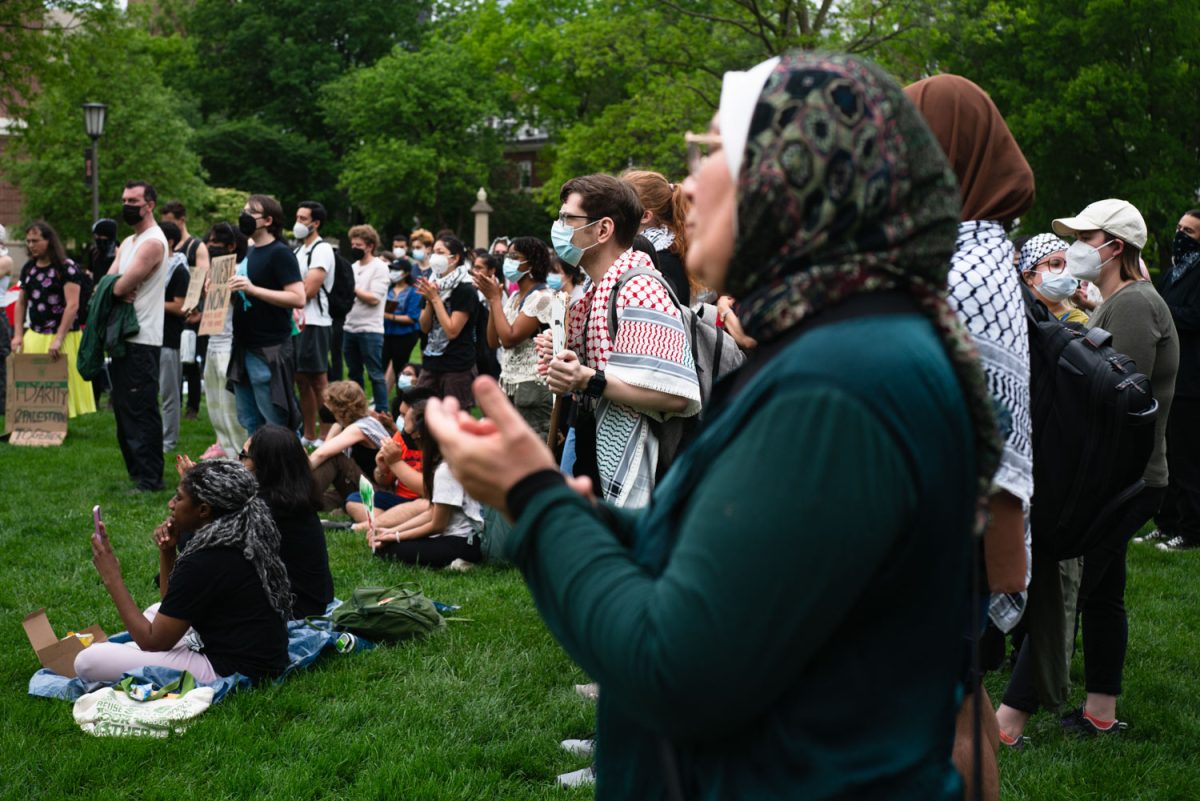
595, 385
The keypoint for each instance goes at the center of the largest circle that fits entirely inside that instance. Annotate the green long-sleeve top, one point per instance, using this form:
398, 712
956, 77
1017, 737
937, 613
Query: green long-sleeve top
788, 619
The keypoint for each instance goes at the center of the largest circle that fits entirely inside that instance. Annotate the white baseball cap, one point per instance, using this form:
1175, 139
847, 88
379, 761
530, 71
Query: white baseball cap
1117, 217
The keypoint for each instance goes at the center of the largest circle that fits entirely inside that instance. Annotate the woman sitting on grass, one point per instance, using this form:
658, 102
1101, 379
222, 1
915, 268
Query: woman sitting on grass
228, 584
286, 483
443, 529
397, 471
349, 448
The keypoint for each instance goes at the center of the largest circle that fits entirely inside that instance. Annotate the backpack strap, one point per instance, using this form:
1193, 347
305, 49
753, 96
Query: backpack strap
626, 277
190, 246
308, 265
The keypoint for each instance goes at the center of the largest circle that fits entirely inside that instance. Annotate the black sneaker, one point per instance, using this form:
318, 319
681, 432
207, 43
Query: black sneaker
1156, 535
1178, 543
1080, 724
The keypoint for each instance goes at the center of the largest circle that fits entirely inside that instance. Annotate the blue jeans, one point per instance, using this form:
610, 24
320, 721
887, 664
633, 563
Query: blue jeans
367, 349
567, 464
254, 406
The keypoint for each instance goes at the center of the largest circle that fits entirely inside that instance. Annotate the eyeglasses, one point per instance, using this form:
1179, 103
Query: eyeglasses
1053, 266
564, 216
699, 148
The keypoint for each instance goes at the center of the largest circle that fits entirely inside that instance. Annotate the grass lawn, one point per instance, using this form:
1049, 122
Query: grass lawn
475, 713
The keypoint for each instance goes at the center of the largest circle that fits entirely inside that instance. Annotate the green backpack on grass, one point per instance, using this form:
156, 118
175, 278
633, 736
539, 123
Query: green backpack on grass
388, 614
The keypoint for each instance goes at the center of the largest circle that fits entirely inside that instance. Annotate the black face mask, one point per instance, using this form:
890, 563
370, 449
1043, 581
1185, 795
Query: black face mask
357, 254
247, 224
105, 248
216, 249
132, 215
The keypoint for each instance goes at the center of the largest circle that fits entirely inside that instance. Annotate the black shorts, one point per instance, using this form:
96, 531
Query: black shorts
312, 349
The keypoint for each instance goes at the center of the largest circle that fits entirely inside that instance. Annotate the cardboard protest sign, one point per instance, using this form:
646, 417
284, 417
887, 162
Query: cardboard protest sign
216, 304
195, 288
37, 399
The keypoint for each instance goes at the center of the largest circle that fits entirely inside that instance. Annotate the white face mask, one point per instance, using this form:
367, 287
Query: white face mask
439, 263
1083, 260
1057, 288
301, 231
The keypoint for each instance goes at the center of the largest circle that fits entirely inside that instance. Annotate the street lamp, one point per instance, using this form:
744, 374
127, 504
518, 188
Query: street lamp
93, 121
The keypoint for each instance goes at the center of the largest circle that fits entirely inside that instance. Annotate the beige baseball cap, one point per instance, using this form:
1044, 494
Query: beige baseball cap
1117, 217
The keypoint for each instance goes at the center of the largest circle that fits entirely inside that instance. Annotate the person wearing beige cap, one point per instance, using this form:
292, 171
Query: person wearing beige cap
1109, 236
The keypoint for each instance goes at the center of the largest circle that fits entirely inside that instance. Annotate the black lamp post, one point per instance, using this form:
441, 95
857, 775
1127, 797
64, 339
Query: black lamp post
93, 120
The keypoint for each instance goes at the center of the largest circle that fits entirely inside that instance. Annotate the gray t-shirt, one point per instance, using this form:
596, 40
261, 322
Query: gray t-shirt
1142, 329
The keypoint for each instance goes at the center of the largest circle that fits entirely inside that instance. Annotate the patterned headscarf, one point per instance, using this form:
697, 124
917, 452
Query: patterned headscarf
1038, 248
241, 520
844, 190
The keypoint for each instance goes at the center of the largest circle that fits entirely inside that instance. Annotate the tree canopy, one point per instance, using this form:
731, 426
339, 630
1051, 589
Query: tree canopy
397, 111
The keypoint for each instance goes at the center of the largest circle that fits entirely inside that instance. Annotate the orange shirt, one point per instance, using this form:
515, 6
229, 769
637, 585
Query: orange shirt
412, 458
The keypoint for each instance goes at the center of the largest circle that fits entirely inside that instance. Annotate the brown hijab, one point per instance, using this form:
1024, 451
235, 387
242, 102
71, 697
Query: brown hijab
994, 178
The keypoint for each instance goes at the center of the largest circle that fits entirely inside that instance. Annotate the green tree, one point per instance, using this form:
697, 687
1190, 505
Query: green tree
109, 62
1101, 95
256, 75
617, 82
30, 30
424, 155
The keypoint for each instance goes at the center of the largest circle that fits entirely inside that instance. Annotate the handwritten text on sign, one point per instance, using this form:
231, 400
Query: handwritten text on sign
216, 303
37, 399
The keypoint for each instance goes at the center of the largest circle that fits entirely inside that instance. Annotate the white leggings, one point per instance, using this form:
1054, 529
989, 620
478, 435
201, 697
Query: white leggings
108, 661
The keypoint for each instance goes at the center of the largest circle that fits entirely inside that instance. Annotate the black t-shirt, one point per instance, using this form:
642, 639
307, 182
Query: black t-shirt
218, 592
459, 353
177, 286
272, 266
672, 269
302, 549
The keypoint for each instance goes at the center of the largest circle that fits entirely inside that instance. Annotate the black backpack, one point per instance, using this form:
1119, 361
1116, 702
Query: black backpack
341, 297
1093, 431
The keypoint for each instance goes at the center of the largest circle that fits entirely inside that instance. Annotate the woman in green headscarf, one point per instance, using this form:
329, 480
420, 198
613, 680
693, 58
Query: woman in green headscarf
743, 628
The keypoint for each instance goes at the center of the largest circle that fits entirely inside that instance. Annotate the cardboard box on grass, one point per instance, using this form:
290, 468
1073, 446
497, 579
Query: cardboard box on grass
55, 654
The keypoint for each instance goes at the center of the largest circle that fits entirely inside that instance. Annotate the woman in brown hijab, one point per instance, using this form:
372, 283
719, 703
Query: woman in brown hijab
996, 185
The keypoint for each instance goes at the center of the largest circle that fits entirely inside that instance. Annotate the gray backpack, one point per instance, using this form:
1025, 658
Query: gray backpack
714, 352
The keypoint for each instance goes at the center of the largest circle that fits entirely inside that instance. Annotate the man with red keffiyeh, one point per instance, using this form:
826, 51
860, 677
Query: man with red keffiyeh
630, 380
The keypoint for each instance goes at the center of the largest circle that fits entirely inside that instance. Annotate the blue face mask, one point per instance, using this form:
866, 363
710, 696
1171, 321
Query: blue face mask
554, 281
561, 235
418, 255
513, 271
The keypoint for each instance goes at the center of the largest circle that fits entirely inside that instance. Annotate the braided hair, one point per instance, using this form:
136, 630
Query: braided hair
241, 520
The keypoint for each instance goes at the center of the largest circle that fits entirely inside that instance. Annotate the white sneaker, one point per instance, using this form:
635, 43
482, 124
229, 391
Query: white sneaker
316, 443
588, 691
578, 778
579, 748
460, 565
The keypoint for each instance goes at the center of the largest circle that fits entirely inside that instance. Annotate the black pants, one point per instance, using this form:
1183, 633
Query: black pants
1180, 513
139, 422
5, 349
432, 551
337, 371
1102, 597
192, 371
397, 350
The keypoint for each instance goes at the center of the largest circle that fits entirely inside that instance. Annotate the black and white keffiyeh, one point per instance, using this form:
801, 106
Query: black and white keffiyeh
985, 293
1038, 248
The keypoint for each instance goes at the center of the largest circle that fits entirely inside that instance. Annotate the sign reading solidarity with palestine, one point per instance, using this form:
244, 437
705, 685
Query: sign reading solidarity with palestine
37, 399
216, 305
